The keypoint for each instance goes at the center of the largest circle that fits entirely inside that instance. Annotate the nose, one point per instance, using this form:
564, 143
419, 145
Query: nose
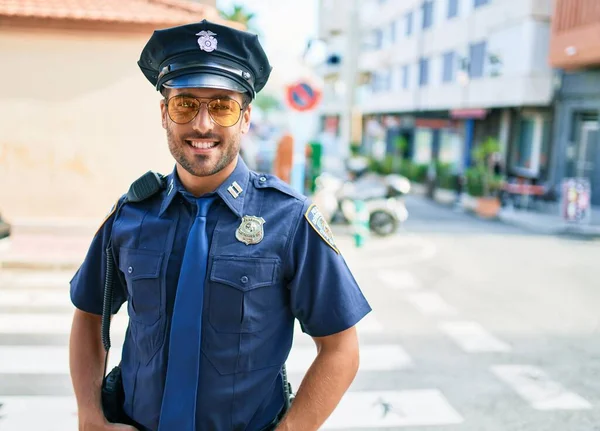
203, 123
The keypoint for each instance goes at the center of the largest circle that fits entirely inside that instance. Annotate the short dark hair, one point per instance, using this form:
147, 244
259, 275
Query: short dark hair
246, 100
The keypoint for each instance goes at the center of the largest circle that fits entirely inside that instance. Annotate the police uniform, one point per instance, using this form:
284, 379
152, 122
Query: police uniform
272, 259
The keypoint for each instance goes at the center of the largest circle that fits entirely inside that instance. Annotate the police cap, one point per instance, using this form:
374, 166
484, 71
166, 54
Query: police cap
205, 55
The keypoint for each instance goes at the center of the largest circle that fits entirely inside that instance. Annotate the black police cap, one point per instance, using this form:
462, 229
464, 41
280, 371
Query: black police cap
205, 55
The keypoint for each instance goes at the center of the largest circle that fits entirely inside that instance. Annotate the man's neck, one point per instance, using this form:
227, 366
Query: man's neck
199, 186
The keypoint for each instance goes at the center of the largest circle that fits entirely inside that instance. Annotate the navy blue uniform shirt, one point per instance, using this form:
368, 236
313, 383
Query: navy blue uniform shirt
252, 295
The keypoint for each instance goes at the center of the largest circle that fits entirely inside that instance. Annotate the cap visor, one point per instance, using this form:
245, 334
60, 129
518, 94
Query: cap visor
205, 80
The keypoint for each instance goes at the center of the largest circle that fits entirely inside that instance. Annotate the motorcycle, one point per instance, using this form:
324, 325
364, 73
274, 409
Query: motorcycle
382, 195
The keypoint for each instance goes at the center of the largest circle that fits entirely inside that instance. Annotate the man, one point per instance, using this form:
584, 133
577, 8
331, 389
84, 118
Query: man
215, 267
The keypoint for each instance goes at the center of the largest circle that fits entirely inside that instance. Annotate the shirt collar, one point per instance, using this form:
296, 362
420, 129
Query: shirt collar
232, 191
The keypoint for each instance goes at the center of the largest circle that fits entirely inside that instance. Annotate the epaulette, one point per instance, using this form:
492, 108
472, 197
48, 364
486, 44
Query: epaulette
262, 181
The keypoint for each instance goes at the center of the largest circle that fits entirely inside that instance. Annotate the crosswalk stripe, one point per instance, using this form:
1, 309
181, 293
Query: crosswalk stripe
42, 359
368, 325
372, 358
34, 298
374, 409
47, 323
535, 386
36, 279
380, 409
47, 413
399, 279
472, 337
430, 303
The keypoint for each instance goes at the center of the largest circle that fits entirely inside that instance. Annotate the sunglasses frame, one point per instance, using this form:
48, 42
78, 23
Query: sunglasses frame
204, 101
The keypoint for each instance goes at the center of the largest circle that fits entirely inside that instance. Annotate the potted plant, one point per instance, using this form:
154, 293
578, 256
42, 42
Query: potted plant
482, 181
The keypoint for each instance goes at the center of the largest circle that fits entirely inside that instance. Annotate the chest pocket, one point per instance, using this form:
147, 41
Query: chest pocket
244, 293
141, 269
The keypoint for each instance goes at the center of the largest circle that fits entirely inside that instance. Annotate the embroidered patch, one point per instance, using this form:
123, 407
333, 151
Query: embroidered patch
320, 225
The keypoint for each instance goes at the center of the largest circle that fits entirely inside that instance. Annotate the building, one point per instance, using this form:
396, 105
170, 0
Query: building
79, 120
443, 75
575, 48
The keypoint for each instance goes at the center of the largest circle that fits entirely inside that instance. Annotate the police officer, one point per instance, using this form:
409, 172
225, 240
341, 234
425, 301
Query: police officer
215, 267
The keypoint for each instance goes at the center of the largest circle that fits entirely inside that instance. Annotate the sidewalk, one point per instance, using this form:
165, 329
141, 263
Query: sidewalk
46, 245
538, 222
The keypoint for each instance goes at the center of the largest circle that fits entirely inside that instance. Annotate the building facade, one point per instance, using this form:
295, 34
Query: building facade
442, 76
79, 120
575, 49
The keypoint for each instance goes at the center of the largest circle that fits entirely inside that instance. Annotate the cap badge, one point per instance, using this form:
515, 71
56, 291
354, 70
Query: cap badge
250, 230
207, 41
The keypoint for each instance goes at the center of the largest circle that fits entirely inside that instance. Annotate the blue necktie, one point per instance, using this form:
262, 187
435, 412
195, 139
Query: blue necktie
178, 412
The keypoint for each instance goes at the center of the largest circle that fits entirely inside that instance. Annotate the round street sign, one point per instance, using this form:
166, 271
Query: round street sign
302, 96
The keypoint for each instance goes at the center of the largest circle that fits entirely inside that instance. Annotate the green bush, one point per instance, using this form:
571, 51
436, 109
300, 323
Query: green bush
445, 177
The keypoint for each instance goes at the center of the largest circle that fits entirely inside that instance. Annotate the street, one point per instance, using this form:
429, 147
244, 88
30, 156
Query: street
477, 326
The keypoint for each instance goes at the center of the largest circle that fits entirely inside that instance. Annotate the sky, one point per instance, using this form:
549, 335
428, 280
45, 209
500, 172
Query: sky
286, 27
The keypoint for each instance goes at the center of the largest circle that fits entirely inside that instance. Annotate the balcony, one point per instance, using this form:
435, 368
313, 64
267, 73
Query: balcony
575, 40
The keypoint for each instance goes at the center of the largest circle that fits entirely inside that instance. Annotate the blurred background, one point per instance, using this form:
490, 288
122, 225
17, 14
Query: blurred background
453, 144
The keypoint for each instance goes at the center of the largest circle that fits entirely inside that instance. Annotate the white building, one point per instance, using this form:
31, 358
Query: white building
446, 74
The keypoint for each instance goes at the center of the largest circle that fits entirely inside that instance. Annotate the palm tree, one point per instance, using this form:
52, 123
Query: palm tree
241, 15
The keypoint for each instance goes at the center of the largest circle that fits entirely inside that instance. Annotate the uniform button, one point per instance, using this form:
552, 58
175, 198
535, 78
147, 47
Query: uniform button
262, 179
244, 279
130, 269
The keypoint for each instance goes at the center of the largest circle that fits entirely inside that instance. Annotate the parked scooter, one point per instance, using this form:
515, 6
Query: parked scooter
383, 197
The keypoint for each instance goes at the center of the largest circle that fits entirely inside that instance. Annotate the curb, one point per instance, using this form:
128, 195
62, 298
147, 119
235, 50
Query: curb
37, 265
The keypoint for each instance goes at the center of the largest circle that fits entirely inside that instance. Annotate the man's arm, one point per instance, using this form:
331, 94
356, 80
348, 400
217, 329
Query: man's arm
86, 361
326, 381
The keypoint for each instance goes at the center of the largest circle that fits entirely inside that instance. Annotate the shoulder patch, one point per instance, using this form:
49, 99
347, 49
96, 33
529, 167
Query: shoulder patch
319, 224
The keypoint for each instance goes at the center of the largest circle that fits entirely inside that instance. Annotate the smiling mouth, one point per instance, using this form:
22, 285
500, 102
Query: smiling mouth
202, 145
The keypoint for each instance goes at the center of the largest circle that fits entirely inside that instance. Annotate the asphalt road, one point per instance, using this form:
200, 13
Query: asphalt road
476, 326
502, 324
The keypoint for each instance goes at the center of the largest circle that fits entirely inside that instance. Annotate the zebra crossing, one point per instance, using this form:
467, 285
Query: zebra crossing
35, 390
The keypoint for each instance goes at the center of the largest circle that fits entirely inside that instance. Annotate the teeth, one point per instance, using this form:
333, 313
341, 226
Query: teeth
202, 145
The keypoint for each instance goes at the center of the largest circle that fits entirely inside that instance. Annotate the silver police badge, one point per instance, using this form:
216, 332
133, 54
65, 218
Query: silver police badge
251, 230
207, 41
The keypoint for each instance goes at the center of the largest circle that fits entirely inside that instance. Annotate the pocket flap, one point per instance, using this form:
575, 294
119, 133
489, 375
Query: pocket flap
244, 273
138, 264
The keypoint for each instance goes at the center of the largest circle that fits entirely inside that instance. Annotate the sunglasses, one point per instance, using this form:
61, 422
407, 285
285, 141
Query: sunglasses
223, 111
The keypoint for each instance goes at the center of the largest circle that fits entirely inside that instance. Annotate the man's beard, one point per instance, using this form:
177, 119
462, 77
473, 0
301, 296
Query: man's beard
201, 165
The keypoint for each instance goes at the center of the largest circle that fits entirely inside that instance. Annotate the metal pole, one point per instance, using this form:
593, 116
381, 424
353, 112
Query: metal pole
350, 66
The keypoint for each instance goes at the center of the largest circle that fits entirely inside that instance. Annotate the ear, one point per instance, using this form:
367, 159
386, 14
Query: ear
246, 119
163, 113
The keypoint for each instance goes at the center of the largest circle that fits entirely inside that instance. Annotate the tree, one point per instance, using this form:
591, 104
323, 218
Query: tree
241, 15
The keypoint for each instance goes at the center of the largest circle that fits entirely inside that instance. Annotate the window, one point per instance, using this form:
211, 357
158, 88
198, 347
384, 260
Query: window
427, 14
377, 38
408, 24
449, 67
423, 72
532, 132
478, 3
406, 76
452, 8
477, 53
392, 34
381, 81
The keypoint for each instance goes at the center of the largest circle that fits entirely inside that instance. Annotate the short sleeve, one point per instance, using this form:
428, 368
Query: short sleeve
87, 285
325, 296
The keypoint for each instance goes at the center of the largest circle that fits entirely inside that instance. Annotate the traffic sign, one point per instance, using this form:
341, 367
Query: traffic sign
302, 96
